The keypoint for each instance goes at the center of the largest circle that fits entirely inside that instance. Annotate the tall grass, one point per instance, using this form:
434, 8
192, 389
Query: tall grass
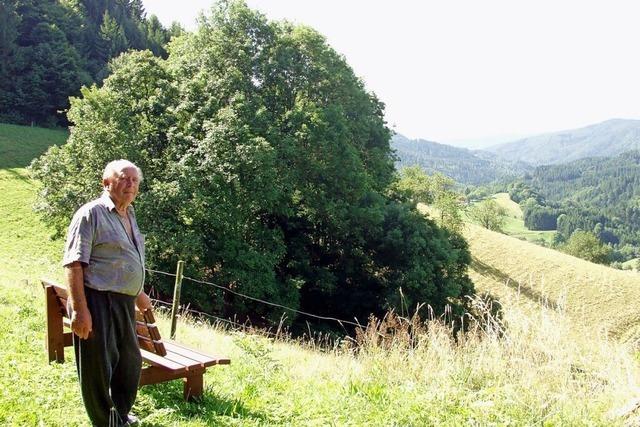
525, 368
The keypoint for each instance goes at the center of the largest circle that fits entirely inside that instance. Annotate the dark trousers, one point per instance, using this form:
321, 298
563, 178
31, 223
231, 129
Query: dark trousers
109, 360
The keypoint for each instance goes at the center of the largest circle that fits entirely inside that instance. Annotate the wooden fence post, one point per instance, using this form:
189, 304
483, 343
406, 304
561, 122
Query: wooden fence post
176, 298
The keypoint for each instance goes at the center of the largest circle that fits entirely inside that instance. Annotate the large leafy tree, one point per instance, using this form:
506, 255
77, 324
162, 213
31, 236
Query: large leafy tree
489, 214
266, 164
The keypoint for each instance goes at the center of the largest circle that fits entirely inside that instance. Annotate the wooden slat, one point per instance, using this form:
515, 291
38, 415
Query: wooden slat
55, 329
146, 344
147, 341
162, 362
159, 348
61, 291
206, 359
155, 374
190, 364
142, 330
148, 331
146, 317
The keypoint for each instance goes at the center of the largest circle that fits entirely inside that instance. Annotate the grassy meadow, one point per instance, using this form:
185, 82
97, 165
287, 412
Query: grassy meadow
563, 353
514, 223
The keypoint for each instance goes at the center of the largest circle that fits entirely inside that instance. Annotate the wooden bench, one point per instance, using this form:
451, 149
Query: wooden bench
164, 360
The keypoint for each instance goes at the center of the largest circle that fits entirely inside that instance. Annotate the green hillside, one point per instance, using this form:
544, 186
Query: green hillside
20, 144
514, 222
463, 165
544, 364
595, 298
592, 191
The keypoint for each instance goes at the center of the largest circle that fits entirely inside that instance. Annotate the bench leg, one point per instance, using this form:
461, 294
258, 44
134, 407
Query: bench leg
193, 386
55, 336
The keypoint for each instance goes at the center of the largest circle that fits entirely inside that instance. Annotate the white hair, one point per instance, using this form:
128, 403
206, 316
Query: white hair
117, 166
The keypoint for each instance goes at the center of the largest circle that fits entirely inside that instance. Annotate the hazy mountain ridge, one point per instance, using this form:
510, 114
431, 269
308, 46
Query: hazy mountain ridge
606, 139
463, 165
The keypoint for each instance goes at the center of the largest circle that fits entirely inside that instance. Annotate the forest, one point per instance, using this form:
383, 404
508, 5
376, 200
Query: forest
49, 49
599, 195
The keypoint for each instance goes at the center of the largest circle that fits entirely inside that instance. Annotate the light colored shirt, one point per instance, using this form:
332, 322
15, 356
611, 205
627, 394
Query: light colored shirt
97, 238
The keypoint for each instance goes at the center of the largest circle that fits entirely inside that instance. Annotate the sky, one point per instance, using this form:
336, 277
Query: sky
472, 73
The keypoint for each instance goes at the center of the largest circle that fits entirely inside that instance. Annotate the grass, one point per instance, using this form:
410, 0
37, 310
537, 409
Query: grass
595, 298
20, 144
632, 264
540, 365
514, 223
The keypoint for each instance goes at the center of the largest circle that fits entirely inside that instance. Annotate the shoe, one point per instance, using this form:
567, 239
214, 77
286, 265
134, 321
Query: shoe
132, 420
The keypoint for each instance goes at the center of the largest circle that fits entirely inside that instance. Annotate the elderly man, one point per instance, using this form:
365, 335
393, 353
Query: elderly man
104, 267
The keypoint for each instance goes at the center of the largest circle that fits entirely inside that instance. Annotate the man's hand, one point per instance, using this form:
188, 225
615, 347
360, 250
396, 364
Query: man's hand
143, 301
81, 323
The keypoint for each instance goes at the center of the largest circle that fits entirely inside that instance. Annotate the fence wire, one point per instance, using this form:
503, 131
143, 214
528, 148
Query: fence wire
273, 304
342, 322
211, 316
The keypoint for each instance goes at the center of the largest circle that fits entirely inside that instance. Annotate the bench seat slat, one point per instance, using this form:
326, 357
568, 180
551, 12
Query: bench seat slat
190, 364
205, 359
161, 361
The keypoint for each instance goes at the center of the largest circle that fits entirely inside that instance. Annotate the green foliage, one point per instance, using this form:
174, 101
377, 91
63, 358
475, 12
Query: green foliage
49, 49
436, 190
415, 185
585, 245
520, 191
538, 217
265, 165
489, 214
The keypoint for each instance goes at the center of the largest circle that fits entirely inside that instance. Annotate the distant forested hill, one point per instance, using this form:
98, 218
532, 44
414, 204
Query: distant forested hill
606, 139
49, 49
461, 164
592, 191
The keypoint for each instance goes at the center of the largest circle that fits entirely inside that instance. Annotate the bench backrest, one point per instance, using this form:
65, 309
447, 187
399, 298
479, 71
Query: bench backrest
148, 333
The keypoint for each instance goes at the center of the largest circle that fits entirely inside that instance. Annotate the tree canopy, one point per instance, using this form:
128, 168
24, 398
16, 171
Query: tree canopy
585, 245
489, 214
266, 167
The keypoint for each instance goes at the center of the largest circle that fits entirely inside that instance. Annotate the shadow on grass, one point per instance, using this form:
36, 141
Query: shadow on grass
498, 275
208, 410
16, 174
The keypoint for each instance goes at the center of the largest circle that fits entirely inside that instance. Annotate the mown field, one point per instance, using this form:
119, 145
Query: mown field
563, 353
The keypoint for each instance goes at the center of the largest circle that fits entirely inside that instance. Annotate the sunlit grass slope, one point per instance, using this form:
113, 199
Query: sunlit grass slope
595, 298
530, 370
514, 223
20, 144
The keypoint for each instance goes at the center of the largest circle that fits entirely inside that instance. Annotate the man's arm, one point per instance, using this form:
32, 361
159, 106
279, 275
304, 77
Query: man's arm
81, 323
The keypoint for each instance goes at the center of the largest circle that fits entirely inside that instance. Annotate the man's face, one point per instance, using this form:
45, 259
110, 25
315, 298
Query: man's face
123, 186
